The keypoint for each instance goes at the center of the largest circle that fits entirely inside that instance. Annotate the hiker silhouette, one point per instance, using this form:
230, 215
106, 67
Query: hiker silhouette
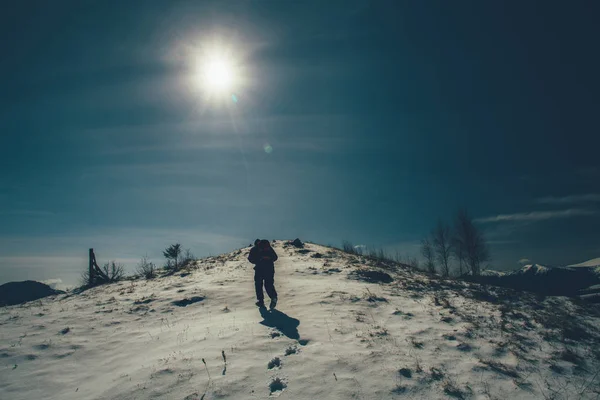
263, 257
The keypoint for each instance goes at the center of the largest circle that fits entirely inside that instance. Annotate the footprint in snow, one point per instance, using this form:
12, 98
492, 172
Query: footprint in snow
277, 386
275, 333
274, 363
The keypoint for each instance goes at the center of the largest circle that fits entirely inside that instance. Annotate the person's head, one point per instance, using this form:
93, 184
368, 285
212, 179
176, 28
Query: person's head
256, 242
264, 244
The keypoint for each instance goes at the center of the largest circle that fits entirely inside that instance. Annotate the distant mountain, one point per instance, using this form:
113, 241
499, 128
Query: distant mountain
579, 280
532, 269
590, 263
12, 293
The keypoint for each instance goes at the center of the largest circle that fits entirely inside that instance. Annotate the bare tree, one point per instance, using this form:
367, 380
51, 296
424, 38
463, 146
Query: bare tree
429, 254
458, 249
413, 262
470, 238
442, 246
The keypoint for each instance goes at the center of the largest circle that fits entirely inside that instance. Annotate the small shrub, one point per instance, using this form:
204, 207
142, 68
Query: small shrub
146, 268
348, 247
416, 343
452, 390
436, 374
114, 271
413, 262
188, 259
501, 368
85, 279
372, 252
372, 298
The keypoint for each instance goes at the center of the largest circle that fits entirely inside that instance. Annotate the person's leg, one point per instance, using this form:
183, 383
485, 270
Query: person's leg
270, 285
258, 286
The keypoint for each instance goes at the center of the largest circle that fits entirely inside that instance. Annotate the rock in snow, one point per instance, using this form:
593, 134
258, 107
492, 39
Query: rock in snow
12, 293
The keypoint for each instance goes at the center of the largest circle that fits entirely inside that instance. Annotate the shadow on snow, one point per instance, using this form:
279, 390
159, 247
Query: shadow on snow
280, 321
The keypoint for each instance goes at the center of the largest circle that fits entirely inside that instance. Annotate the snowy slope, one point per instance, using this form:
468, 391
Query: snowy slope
590, 263
336, 336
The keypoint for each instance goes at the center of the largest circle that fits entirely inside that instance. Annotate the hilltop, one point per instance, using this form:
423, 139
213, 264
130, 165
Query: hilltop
347, 327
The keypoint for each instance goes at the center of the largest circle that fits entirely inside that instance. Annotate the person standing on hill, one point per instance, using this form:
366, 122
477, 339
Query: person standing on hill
263, 257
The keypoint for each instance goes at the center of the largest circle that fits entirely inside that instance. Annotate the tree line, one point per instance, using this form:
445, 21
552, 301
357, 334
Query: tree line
463, 242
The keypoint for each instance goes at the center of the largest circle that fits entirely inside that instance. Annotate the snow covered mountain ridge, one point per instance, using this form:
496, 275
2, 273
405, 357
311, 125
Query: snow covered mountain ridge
580, 280
590, 263
346, 327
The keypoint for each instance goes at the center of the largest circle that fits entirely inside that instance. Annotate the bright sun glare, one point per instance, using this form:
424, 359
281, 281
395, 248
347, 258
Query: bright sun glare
218, 75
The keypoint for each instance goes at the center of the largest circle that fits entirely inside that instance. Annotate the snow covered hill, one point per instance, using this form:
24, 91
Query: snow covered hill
590, 263
338, 333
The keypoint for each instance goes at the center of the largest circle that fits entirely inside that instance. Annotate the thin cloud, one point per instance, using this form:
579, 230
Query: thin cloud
524, 261
582, 198
28, 213
501, 242
538, 215
289, 132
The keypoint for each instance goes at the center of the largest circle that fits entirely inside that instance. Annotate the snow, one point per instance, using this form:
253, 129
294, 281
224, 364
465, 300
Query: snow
333, 337
534, 269
491, 272
590, 263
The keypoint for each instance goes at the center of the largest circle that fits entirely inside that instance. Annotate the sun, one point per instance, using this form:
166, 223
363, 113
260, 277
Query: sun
218, 75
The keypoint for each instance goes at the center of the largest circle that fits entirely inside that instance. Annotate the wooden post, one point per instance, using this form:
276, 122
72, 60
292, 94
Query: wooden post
91, 270
95, 271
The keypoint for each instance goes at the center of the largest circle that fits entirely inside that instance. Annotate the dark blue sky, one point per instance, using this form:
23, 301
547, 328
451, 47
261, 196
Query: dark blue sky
383, 116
